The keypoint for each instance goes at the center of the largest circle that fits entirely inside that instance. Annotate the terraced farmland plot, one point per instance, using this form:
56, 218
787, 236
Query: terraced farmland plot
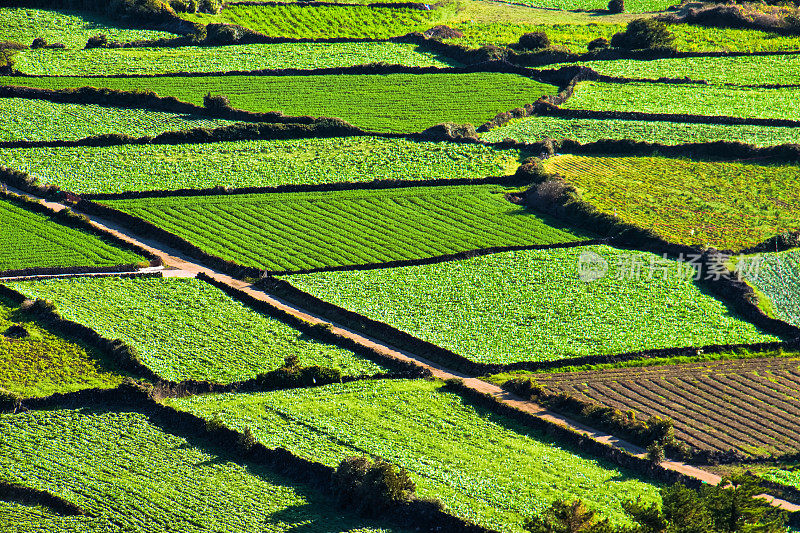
722, 204
114, 169
299, 231
707, 100
385, 103
747, 405
637, 6
22, 119
72, 28
44, 363
32, 240
123, 470
483, 467
320, 22
535, 129
531, 305
777, 276
187, 329
112, 61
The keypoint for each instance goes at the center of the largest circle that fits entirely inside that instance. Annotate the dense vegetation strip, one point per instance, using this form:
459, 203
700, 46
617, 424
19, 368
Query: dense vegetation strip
729, 205
123, 470
687, 99
71, 28
535, 129
392, 103
22, 119
36, 362
532, 306
739, 70
637, 6
300, 231
777, 276
31, 239
113, 61
316, 22
482, 466
186, 329
257, 163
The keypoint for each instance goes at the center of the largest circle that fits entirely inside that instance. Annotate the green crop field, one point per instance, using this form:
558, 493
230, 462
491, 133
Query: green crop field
45, 363
124, 471
637, 6
738, 70
729, 205
257, 163
71, 28
788, 477
187, 329
481, 466
22, 119
690, 99
532, 305
777, 276
317, 22
31, 239
534, 129
115, 61
390, 103
297, 231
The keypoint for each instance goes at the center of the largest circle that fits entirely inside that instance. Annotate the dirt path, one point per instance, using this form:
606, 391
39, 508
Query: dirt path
185, 266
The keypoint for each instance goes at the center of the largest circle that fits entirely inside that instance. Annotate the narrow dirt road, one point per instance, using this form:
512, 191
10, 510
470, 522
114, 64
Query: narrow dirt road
182, 265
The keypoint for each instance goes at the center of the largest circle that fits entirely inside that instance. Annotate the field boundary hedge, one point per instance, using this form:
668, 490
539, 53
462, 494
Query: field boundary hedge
12, 492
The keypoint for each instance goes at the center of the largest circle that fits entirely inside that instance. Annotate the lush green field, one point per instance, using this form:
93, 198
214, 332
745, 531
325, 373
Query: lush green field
738, 70
297, 231
317, 22
482, 466
187, 329
22, 119
689, 99
114, 61
393, 103
44, 363
534, 129
728, 205
532, 305
257, 163
124, 471
777, 276
68, 27
34, 240
788, 477
637, 6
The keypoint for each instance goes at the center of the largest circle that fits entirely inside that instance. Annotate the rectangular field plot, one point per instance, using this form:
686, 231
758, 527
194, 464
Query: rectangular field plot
186, 329
113, 61
113, 169
121, 469
290, 232
22, 119
483, 467
532, 306
728, 205
43, 363
747, 405
707, 100
31, 239
535, 129
777, 276
383, 103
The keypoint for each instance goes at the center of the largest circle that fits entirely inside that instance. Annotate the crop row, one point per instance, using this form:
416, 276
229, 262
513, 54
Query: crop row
257, 163
185, 329
729, 205
113, 61
300, 231
34, 240
533, 306
389, 103
482, 466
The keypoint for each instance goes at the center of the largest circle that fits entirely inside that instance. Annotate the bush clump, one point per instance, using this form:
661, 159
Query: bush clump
644, 34
616, 6
16, 331
598, 44
9, 401
216, 103
535, 40
291, 374
371, 487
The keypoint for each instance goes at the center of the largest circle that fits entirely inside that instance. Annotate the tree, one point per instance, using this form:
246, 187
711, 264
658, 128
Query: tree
616, 6
684, 510
535, 40
567, 517
642, 34
371, 486
733, 507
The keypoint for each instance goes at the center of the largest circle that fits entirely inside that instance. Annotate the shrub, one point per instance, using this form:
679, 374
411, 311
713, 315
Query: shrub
246, 441
534, 40
38, 43
600, 42
216, 103
655, 453
644, 34
371, 487
16, 332
9, 401
567, 517
212, 7
616, 6
97, 41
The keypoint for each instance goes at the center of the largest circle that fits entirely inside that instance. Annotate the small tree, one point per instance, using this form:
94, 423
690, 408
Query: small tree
216, 103
9, 401
371, 487
655, 452
535, 40
566, 517
644, 34
97, 41
600, 42
733, 507
616, 6
39, 42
